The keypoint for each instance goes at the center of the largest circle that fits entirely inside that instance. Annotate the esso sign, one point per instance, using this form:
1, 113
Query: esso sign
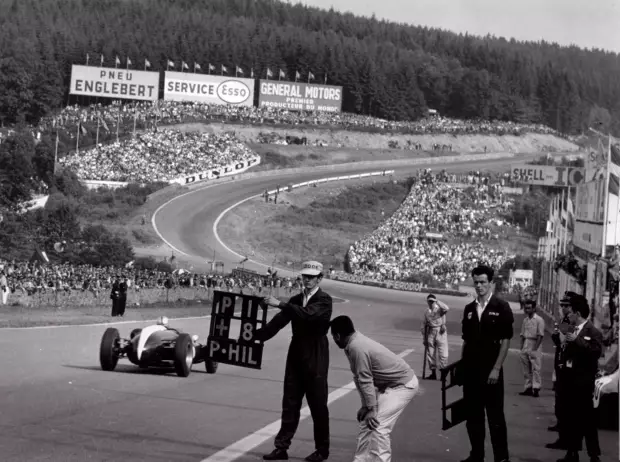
233, 92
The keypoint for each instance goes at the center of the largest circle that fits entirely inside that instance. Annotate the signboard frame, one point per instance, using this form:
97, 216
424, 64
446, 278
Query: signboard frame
298, 97
114, 83
209, 89
547, 175
454, 413
248, 351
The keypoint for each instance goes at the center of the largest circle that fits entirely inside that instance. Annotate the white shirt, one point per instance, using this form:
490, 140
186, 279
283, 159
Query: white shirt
308, 295
579, 327
480, 308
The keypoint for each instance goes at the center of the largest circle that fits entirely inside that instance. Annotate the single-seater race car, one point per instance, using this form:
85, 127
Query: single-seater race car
155, 346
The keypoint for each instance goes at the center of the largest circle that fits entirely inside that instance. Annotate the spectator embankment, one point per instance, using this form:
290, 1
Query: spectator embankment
461, 142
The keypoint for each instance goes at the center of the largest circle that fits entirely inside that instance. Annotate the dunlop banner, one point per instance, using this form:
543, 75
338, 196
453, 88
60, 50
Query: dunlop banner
299, 96
211, 89
114, 83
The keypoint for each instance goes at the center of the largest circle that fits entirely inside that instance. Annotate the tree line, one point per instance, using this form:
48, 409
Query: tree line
388, 70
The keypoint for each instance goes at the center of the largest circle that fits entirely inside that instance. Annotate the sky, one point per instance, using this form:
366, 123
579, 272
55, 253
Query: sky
585, 23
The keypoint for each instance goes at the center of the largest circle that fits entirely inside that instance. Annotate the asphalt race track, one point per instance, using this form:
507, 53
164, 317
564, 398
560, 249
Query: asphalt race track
57, 405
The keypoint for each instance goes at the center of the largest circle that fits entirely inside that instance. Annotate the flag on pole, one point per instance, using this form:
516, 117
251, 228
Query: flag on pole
238, 70
184, 65
147, 63
269, 73
197, 66
310, 76
297, 76
170, 63
117, 62
128, 62
224, 69
211, 68
325, 78
252, 73
102, 59
87, 58
282, 75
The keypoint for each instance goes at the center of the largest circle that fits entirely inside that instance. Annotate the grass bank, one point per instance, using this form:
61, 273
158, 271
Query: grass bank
321, 223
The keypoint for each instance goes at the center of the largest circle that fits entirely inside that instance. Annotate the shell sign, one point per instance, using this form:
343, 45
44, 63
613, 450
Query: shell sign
211, 89
547, 175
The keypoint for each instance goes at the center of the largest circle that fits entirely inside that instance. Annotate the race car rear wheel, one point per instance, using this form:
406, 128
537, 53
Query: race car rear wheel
211, 366
108, 350
183, 355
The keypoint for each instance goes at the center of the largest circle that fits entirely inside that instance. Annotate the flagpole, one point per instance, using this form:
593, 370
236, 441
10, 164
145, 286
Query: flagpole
118, 122
56, 152
77, 139
97, 135
603, 252
87, 58
135, 115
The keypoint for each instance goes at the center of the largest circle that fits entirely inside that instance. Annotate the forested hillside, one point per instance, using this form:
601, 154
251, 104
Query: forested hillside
388, 70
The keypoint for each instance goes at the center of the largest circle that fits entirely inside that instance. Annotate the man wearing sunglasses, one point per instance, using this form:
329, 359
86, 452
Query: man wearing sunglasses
307, 362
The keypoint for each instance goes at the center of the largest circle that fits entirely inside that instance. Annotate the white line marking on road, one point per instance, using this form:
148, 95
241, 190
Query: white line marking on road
247, 444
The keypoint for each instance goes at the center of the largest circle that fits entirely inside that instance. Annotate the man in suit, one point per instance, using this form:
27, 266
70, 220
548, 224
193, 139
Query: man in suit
561, 328
307, 362
115, 294
487, 329
578, 366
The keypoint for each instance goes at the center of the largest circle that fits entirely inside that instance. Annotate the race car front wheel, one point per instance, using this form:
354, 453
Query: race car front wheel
183, 355
108, 350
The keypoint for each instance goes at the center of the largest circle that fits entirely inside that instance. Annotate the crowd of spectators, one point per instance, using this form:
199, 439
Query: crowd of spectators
441, 229
158, 155
33, 278
174, 112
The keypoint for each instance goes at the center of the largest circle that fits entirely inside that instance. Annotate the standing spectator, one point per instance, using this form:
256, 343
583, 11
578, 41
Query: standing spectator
532, 334
307, 362
487, 329
582, 347
122, 295
4, 287
115, 295
561, 328
386, 385
435, 335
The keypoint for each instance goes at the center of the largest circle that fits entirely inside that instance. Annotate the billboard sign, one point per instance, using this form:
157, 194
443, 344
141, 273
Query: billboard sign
106, 82
210, 89
299, 96
547, 175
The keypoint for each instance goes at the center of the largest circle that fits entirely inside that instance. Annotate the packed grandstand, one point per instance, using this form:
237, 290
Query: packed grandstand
440, 228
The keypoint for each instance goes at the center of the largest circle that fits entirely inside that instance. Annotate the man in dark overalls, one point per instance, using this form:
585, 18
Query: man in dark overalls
563, 328
307, 362
122, 299
487, 330
114, 295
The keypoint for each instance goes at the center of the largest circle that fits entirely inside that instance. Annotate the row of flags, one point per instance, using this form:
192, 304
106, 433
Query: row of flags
210, 68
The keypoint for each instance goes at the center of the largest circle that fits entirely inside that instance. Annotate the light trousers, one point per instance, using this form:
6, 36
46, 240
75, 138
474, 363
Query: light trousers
375, 445
437, 351
531, 363
5, 295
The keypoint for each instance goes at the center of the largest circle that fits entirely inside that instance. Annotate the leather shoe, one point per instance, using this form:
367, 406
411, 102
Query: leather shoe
571, 456
317, 456
276, 454
557, 445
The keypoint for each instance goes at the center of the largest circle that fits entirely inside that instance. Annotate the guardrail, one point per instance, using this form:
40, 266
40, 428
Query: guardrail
397, 285
325, 180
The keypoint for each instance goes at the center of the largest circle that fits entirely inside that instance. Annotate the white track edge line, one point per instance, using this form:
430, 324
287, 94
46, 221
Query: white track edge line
243, 446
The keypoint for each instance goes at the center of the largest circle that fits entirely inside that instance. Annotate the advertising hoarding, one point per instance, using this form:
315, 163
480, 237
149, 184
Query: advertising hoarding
106, 82
547, 175
299, 96
210, 89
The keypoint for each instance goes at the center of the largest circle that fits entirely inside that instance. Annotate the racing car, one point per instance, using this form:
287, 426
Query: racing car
158, 345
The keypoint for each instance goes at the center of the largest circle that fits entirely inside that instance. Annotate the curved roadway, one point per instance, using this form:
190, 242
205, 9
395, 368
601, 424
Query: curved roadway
57, 405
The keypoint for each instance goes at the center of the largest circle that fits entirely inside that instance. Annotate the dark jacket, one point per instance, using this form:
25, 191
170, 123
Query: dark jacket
310, 325
579, 360
564, 326
483, 337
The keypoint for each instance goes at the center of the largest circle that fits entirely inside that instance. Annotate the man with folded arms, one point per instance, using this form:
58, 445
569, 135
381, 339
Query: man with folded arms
386, 385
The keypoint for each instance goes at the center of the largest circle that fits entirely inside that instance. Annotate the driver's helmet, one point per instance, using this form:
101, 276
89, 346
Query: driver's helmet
162, 321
